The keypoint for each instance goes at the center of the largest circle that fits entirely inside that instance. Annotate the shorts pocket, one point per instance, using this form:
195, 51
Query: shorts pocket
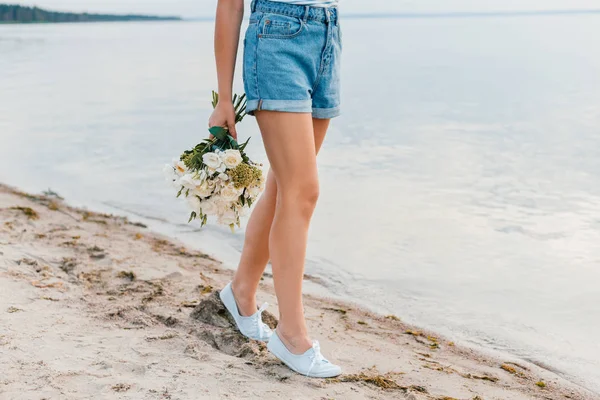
277, 26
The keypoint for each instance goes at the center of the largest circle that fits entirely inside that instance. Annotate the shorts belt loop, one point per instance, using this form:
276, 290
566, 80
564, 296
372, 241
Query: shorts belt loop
327, 16
306, 11
253, 6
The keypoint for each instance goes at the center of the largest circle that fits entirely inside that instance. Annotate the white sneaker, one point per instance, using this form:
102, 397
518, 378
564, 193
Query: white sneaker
311, 363
252, 327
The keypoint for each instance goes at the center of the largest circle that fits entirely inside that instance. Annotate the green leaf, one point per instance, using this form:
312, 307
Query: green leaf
192, 216
218, 132
234, 144
243, 145
180, 191
215, 98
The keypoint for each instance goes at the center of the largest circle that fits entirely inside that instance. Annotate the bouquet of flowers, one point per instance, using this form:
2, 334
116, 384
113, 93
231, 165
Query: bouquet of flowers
216, 176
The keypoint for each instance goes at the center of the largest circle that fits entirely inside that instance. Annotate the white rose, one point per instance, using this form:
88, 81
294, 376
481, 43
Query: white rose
209, 207
204, 190
219, 184
230, 193
231, 158
194, 203
222, 205
212, 161
189, 182
228, 218
212, 171
223, 177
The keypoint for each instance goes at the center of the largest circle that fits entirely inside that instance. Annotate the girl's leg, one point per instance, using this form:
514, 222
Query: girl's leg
255, 254
290, 146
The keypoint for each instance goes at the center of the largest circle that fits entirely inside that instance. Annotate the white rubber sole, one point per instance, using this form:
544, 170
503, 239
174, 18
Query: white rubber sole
282, 357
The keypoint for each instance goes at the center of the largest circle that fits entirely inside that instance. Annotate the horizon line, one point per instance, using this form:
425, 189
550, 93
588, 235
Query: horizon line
452, 14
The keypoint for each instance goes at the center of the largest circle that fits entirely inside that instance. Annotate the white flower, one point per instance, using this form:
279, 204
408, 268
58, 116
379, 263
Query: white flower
230, 193
223, 177
189, 182
254, 191
221, 204
231, 158
212, 161
204, 190
243, 211
180, 167
212, 171
171, 176
228, 218
194, 203
209, 207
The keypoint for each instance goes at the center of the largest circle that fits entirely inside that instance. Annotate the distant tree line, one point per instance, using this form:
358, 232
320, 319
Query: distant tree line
20, 14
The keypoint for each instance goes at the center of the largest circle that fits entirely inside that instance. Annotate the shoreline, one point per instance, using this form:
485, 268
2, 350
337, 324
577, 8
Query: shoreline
96, 305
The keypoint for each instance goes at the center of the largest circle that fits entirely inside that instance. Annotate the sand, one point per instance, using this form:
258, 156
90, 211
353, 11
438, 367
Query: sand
95, 306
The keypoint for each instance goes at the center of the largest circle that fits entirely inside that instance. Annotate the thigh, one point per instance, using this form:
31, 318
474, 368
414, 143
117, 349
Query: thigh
320, 127
290, 145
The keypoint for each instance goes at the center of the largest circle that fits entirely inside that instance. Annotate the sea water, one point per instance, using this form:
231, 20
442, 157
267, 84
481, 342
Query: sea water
460, 190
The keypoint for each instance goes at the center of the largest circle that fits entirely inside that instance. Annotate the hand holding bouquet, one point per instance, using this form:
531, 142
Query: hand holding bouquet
216, 176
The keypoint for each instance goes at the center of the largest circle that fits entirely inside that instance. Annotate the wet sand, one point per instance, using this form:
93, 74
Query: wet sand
96, 306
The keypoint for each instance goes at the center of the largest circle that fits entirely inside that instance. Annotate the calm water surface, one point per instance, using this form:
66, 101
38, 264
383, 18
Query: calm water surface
460, 190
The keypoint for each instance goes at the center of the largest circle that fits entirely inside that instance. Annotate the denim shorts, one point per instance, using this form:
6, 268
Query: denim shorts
292, 59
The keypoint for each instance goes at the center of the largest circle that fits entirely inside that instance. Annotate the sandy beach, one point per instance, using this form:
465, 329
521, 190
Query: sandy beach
97, 306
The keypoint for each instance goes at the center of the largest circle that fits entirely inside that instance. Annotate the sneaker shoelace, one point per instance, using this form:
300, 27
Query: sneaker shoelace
316, 357
261, 327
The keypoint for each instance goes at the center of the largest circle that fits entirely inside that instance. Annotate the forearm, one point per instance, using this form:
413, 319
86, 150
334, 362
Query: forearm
227, 36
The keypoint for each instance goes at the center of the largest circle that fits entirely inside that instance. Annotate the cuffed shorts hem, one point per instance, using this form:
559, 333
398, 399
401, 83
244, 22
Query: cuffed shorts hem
325, 113
295, 106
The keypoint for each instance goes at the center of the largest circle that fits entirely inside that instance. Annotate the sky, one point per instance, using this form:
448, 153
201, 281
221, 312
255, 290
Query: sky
196, 8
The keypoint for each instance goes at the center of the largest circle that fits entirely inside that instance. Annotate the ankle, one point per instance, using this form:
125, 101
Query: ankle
245, 298
296, 340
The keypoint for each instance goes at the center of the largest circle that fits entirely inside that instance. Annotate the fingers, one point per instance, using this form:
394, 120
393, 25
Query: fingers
232, 130
225, 119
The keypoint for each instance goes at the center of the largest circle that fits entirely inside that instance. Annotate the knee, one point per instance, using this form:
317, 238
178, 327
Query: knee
302, 196
309, 193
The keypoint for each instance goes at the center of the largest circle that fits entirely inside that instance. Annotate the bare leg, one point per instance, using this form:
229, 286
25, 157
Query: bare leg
255, 254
